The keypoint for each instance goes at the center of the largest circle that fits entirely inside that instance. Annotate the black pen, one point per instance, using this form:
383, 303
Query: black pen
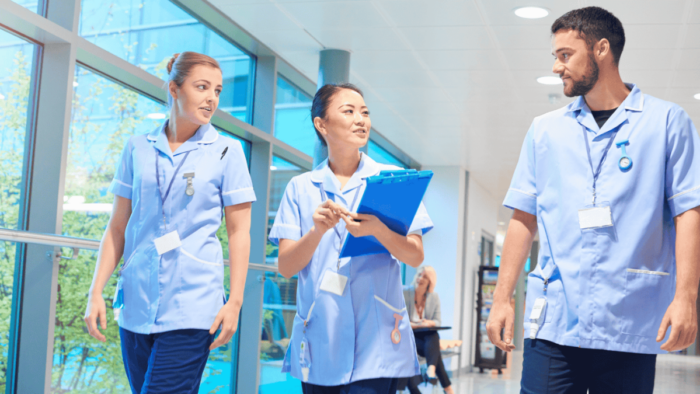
224, 153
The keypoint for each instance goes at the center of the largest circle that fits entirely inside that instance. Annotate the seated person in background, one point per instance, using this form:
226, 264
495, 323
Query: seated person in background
423, 306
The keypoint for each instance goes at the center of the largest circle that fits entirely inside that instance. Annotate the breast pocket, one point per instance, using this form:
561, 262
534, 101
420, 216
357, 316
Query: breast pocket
647, 296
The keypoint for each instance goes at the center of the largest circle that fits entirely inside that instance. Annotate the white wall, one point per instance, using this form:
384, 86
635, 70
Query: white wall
444, 248
482, 216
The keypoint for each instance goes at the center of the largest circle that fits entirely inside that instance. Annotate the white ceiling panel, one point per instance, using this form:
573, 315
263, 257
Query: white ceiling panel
689, 59
653, 36
360, 39
462, 60
523, 37
289, 40
384, 60
431, 13
499, 13
646, 12
335, 15
447, 37
692, 38
256, 17
646, 59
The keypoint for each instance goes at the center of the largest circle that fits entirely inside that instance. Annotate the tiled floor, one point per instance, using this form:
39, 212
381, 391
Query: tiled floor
674, 375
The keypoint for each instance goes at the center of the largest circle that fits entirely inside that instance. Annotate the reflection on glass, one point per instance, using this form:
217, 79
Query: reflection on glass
279, 308
381, 155
148, 33
282, 172
15, 78
105, 114
293, 117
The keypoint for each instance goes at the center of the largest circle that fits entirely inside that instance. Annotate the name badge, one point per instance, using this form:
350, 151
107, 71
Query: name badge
334, 283
595, 217
167, 242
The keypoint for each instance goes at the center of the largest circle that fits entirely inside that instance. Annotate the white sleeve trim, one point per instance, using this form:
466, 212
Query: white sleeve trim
525, 193
236, 191
415, 232
682, 193
122, 183
287, 225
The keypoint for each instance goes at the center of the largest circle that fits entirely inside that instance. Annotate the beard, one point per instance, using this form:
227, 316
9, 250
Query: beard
586, 83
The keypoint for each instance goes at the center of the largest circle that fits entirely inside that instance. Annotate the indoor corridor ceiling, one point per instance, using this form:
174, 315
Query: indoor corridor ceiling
453, 82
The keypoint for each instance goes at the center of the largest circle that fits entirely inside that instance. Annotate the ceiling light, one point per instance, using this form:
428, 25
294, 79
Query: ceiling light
697, 96
549, 80
531, 12
155, 115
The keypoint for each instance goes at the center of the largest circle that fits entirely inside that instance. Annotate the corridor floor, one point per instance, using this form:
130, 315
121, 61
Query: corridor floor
674, 375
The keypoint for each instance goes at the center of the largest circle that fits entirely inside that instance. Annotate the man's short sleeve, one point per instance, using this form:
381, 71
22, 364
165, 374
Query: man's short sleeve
682, 163
236, 187
122, 183
288, 219
522, 194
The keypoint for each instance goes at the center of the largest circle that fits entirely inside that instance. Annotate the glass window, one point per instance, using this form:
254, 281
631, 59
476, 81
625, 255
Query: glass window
282, 172
16, 61
105, 114
32, 5
381, 155
279, 308
293, 117
148, 33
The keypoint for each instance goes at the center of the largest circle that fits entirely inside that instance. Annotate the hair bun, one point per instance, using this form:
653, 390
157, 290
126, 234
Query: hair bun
171, 62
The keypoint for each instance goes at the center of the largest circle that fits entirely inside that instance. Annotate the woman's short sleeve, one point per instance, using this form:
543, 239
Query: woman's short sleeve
236, 186
288, 219
122, 183
421, 222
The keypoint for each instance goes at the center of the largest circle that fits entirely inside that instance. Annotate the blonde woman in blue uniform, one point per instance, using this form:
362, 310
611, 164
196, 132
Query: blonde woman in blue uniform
351, 333
171, 189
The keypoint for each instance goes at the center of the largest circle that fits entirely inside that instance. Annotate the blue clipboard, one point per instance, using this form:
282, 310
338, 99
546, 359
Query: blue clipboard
394, 198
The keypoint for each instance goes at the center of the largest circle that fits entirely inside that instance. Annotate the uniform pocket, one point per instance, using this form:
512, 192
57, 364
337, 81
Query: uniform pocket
201, 275
647, 296
387, 315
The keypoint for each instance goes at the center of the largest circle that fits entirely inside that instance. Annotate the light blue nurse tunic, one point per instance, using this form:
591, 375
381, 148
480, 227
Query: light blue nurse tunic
182, 288
609, 288
349, 336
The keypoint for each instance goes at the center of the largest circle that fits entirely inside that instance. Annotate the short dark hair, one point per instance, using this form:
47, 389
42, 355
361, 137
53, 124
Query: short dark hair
593, 24
322, 100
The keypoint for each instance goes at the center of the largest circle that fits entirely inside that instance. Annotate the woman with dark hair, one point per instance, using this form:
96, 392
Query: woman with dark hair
424, 311
170, 189
351, 333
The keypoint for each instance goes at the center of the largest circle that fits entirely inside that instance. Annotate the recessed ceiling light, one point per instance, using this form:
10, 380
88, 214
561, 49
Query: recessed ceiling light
549, 80
531, 12
697, 96
155, 116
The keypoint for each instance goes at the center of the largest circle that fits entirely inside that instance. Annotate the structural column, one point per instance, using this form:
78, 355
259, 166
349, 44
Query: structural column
334, 67
37, 268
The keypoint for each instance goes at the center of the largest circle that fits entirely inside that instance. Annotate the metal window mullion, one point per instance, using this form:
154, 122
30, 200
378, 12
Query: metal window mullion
43, 198
247, 377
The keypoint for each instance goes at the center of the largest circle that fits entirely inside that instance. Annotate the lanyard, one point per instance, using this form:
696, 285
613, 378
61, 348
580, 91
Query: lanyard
596, 172
160, 192
335, 228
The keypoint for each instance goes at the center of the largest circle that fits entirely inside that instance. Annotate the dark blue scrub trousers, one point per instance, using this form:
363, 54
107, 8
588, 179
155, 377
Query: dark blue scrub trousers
549, 368
368, 386
171, 362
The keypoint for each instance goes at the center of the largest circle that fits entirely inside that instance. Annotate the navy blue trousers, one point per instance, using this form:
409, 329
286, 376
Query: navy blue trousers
368, 386
555, 369
168, 363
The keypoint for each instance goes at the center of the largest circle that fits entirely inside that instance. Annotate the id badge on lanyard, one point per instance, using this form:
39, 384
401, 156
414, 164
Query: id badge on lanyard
596, 215
171, 240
